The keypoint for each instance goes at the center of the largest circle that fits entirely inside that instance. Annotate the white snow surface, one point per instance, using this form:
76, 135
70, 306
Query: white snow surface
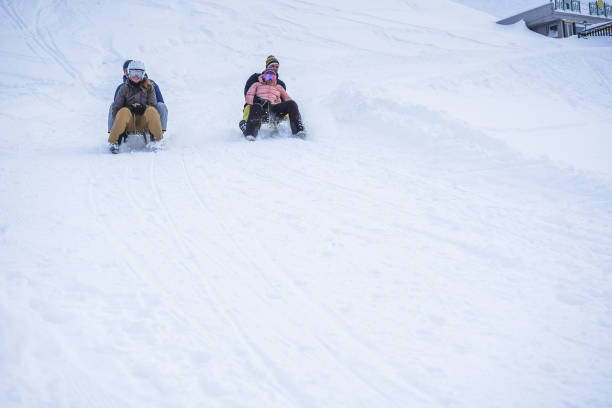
442, 238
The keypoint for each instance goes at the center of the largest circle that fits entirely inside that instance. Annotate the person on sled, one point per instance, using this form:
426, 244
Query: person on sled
271, 63
162, 109
134, 109
269, 101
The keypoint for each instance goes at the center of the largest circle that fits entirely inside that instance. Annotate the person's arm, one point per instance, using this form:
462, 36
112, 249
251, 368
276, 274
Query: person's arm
152, 98
158, 93
284, 95
117, 91
250, 95
119, 99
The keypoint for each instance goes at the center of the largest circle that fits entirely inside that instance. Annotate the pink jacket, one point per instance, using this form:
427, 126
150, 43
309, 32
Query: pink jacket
273, 93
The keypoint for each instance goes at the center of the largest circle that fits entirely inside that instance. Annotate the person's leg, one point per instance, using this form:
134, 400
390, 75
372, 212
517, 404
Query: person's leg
124, 121
150, 121
290, 108
254, 122
162, 109
110, 117
245, 116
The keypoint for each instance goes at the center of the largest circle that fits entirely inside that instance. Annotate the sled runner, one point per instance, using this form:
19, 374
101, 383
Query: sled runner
137, 141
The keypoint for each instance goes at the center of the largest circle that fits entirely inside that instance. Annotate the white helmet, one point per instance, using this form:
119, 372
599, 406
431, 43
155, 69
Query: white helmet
136, 67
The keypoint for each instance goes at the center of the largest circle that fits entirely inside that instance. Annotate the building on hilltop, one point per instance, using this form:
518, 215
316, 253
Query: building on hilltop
563, 18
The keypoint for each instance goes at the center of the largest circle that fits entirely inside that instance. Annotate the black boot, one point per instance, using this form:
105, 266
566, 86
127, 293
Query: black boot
300, 131
122, 138
295, 119
297, 128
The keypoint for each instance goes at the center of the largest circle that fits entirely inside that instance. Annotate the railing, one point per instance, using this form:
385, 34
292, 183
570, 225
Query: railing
568, 5
599, 8
602, 30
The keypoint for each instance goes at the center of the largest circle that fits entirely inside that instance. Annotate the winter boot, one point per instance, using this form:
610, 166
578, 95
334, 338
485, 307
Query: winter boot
156, 146
298, 129
113, 147
122, 138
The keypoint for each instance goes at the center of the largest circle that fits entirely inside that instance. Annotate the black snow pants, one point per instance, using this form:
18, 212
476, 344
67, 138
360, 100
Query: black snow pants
268, 112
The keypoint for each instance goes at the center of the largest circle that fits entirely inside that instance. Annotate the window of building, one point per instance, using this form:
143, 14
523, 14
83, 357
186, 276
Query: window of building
553, 30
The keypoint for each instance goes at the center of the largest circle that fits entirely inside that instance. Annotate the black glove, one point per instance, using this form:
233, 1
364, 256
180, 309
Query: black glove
261, 101
137, 109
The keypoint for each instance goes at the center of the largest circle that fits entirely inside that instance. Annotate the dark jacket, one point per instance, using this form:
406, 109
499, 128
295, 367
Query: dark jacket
255, 78
158, 93
130, 93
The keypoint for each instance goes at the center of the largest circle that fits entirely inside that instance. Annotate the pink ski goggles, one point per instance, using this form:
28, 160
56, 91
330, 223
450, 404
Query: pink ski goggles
269, 76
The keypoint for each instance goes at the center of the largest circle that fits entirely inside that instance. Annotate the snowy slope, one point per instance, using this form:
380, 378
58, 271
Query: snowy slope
442, 238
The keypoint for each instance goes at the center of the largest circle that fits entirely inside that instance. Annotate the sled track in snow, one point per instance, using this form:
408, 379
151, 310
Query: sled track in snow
196, 271
201, 286
111, 239
264, 261
9, 9
43, 40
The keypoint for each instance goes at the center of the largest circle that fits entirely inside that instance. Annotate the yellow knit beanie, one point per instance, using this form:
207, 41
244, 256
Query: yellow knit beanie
271, 60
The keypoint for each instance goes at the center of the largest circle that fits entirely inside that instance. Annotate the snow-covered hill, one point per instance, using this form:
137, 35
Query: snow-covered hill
442, 238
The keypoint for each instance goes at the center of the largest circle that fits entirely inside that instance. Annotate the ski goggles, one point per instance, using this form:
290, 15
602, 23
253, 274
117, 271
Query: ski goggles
136, 73
269, 76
